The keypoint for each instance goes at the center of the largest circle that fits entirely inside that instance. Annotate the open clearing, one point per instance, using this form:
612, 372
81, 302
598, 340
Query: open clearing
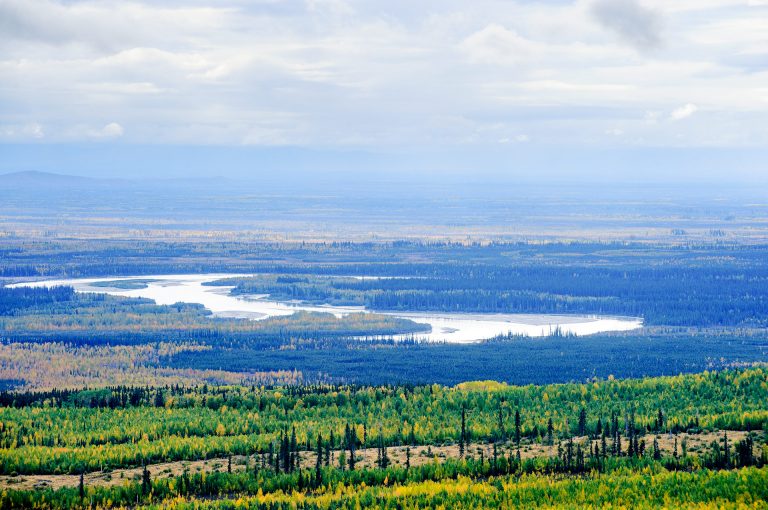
366, 458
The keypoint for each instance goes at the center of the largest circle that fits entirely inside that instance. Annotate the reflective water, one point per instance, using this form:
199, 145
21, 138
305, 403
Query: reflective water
448, 327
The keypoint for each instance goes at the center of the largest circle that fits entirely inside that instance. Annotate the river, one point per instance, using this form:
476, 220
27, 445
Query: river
446, 326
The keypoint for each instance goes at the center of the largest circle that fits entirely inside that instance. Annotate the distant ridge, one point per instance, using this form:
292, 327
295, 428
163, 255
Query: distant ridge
35, 178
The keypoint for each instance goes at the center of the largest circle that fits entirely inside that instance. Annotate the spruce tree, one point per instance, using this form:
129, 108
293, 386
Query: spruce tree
582, 427
351, 445
603, 445
294, 461
146, 481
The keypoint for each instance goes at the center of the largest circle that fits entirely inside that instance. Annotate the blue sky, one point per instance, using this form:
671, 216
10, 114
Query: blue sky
594, 87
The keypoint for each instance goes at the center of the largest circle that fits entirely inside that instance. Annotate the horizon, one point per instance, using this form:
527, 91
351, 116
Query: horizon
717, 168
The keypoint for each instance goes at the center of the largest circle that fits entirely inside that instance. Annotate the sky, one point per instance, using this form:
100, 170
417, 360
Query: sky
634, 88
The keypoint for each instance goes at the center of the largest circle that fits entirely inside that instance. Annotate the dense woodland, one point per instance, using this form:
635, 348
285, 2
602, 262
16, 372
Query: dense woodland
703, 305
514, 360
73, 431
606, 434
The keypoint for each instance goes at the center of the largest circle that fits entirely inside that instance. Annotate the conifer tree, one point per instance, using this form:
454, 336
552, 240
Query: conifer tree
294, 450
603, 445
582, 426
351, 439
146, 481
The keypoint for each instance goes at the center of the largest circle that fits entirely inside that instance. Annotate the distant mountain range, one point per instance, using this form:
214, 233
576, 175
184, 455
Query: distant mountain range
49, 180
34, 178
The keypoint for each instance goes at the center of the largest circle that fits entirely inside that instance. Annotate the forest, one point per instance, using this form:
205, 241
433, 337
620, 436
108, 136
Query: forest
305, 444
513, 360
112, 401
127, 426
702, 304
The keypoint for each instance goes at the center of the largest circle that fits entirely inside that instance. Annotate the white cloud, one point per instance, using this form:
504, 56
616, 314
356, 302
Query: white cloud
111, 130
495, 44
683, 112
341, 73
28, 131
521, 138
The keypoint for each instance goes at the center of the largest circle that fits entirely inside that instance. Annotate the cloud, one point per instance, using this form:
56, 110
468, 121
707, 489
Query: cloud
635, 24
112, 130
337, 73
683, 112
104, 26
31, 130
520, 138
495, 44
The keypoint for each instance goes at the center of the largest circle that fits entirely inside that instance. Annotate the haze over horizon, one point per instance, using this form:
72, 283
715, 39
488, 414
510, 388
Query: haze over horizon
590, 90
